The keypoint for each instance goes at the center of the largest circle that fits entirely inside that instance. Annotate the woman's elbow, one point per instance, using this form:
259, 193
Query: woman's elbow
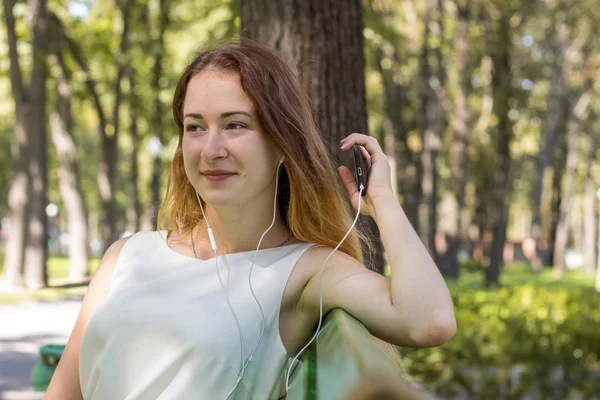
439, 330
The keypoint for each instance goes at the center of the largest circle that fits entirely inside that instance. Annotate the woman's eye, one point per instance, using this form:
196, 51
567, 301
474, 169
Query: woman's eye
193, 128
236, 126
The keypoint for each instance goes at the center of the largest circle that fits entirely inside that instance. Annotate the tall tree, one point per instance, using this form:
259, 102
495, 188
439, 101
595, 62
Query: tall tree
158, 50
141, 40
569, 186
61, 126
589, 200
37, 245
559, 164
81, 61
110, 138
109, 128
458, 159
19, 194
554, 121
597, 286
481, 163
135, 206
388, 57
322, 41
500, 53
431, 118
406, 163
27, 248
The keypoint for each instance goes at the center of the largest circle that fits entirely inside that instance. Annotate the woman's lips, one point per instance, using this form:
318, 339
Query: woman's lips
218, 178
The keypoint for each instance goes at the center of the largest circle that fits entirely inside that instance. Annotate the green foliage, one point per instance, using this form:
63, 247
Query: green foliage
536, 336
472, 265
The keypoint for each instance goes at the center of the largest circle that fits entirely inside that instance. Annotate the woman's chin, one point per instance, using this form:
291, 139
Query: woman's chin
222, 199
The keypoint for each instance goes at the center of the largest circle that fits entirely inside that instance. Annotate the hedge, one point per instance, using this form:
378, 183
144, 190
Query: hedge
522, 341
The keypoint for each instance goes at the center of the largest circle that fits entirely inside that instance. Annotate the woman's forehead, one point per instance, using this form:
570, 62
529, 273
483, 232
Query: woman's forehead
216, 92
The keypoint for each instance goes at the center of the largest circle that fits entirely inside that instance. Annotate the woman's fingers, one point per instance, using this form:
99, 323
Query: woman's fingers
368, 142
348, 180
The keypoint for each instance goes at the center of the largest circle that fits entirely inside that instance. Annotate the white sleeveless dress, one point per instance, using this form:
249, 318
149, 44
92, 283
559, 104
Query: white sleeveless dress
165, 330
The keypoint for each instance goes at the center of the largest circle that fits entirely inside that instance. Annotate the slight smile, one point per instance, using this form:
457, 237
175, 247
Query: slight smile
218, 177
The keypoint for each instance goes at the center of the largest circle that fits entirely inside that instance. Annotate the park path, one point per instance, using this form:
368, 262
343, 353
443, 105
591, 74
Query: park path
23, 329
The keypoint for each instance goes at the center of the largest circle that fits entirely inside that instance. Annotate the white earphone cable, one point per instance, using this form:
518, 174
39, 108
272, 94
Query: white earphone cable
287, 375
214, 248
263, 323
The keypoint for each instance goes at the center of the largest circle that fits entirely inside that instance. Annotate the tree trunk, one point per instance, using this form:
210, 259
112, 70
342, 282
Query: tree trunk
454, 231
417, 193
18, 196
562, 230
106, 178
484, 181
110, 138
135, 206
565, 208
441, 125
389, 148
61, 123
90, 83
589, 200
485, 194
502, 88
393, 133
598, 260
576, 221
559, 164
322, 41
430, 121
553, 123
37, 245
396, 134
157, 114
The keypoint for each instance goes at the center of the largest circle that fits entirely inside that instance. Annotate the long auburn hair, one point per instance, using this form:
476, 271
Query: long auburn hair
311, 197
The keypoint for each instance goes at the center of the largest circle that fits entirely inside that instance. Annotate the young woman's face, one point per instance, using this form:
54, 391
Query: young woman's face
221, 135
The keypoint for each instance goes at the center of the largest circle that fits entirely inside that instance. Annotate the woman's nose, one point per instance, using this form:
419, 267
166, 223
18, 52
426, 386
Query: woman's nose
214, 146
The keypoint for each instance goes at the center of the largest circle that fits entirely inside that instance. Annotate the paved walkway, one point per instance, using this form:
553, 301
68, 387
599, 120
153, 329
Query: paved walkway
23, 329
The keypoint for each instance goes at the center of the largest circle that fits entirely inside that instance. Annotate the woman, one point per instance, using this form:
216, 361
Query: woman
193, 311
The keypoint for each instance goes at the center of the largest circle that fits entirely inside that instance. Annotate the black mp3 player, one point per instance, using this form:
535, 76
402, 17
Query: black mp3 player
361, 170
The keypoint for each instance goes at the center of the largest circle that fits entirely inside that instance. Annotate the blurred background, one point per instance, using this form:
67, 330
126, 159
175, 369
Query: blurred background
487, 109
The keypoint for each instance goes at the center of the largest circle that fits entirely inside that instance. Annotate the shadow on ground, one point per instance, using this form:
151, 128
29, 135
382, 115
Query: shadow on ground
17, 357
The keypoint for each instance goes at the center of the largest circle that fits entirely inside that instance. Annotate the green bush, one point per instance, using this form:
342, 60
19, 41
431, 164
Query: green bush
472, 265
517, 341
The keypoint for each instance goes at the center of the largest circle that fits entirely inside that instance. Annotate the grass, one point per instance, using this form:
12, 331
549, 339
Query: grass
519, 274
59, 286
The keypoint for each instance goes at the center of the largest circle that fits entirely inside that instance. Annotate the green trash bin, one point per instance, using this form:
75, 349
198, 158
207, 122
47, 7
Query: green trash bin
42, 371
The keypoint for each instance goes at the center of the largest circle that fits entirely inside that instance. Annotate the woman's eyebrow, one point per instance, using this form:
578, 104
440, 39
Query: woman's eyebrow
224, 115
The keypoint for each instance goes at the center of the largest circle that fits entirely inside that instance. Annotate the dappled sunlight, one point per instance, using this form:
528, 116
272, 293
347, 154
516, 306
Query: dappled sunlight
478, 123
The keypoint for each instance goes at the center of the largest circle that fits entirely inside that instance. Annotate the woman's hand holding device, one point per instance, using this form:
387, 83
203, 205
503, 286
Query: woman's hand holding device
371, 169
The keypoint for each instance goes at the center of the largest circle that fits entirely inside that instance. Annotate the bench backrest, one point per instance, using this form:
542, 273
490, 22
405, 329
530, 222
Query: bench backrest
345, 362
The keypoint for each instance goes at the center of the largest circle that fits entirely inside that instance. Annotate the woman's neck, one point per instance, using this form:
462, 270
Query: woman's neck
234, 235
